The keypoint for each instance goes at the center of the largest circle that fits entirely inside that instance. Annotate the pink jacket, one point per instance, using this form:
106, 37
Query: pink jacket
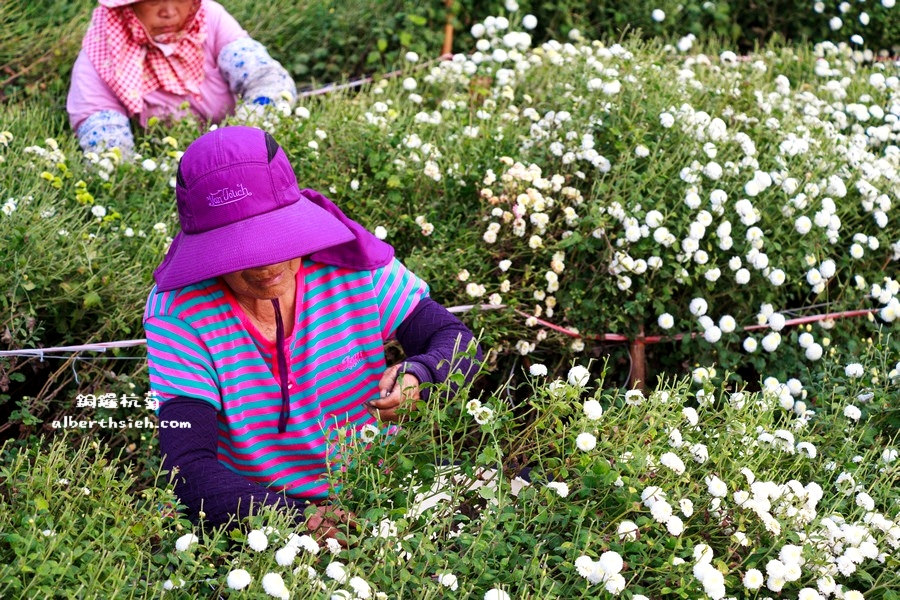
89, 94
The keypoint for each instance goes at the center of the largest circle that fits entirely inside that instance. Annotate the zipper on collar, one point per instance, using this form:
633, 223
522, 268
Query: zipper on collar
282, 368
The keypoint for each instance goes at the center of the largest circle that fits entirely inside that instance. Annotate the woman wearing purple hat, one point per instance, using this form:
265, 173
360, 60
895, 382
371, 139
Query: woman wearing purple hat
152, 58
266, 326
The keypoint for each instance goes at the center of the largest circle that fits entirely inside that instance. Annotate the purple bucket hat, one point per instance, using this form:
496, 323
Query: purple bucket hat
240, 208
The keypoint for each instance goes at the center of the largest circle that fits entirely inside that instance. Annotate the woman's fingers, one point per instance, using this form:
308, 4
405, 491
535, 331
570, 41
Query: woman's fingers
388, 379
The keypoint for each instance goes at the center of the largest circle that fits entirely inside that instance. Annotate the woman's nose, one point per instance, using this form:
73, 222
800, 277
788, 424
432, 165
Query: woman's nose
167, 10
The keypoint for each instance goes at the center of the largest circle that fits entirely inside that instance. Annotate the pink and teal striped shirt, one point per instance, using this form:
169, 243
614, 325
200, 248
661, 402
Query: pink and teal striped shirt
200, 344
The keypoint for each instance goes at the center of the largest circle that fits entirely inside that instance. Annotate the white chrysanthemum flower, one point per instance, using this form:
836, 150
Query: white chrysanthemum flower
814, 351
475, 290
712, 334
496, 594
285, 556
593, 410
865, 501
853, 370
805, 340
791, 554
852, 412
753, 579
169, 585
673, 462
579, 376
538, 370
771, 341
703, 553
484, 415
238, 579
257, 540
380, 232
274, 586
560, 487
727, 324
586, 441
337, 571
776, 321
368, 433
185, 541
700, 453
627, 531
661, 511
448, 580
666, 321
690, 414
716, 486
611, 562
361, 588
675, 525
634, 397
304, 542
698, 307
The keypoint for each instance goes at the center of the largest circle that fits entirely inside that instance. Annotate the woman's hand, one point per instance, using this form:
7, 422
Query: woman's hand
395, 393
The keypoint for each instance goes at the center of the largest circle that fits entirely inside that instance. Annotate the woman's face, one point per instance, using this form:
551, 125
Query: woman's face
264, 283
161, 17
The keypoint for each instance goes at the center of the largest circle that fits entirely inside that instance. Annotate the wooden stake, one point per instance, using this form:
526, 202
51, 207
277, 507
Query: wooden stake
637, 350
448, 30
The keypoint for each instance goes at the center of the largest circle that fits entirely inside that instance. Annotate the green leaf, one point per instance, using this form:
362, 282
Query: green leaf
40, 503
91, 299
382, 44
417, 20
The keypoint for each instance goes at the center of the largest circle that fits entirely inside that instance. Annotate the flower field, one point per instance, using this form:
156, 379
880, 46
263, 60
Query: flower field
683, 262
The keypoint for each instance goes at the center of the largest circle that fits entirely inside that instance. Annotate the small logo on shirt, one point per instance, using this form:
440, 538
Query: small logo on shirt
227, 195
350, 361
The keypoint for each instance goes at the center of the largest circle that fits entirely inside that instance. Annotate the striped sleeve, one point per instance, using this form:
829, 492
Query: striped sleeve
397, 291
179, 362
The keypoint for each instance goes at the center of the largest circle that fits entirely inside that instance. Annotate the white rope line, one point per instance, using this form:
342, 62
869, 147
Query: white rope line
42, 353
333, 87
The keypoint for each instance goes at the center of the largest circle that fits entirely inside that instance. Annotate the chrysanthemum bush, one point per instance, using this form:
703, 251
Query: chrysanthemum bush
580, 491
623, 188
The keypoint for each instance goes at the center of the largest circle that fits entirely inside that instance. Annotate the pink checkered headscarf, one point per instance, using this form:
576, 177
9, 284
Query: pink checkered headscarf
126, 58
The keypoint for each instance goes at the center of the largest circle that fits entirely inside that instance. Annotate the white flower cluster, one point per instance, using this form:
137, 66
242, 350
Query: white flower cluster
606, 570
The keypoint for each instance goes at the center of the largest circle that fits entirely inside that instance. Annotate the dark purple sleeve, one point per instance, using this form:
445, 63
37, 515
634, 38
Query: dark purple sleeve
430, 336
202, 481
